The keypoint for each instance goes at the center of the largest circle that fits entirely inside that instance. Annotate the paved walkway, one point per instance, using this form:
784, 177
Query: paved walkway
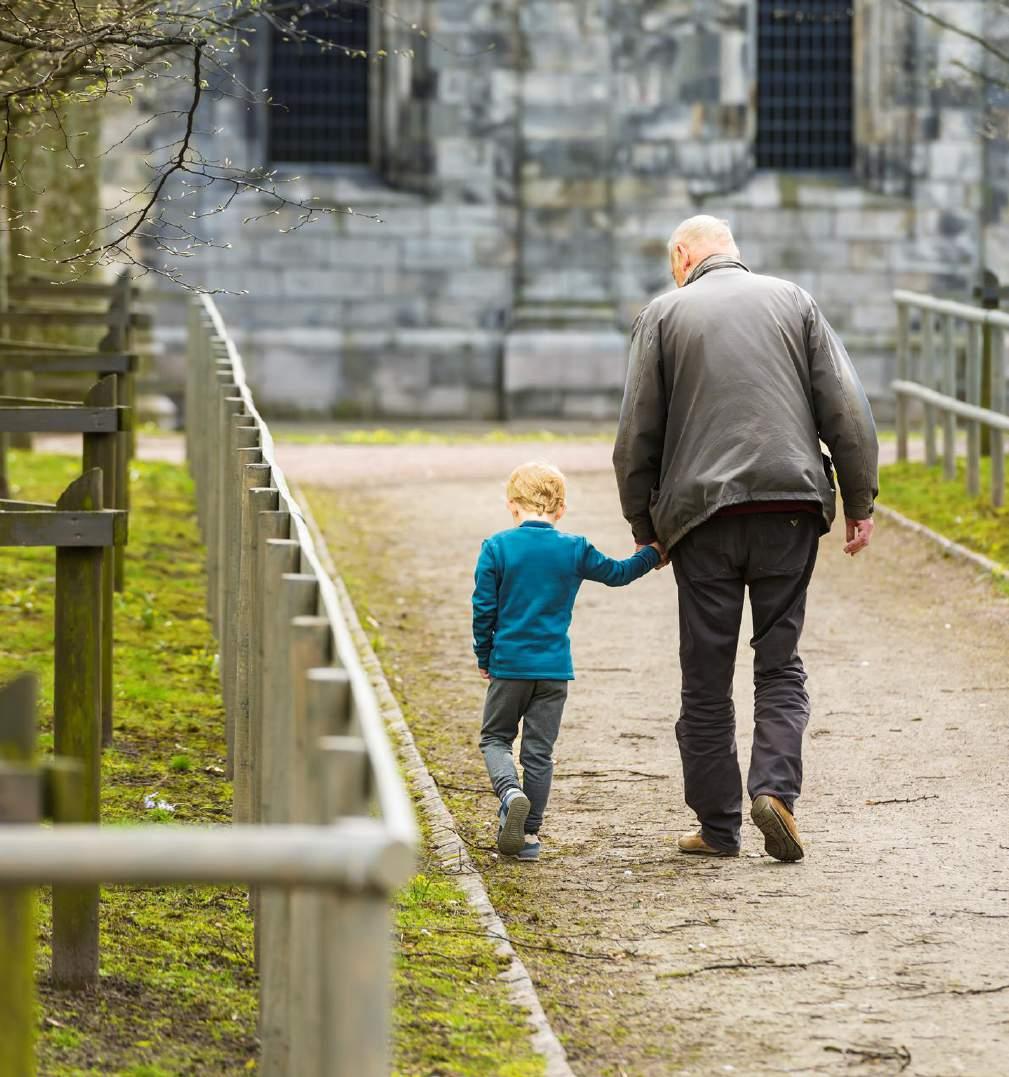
887, 950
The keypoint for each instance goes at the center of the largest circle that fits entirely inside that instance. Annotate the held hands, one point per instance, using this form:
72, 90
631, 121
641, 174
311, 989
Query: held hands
663, 557
858, 534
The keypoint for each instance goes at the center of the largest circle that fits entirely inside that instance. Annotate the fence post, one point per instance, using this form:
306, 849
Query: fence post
256, 497
928, 378
244, 449
990, 294
268, 525
100, 451
311, 641
949, 389
903, 372
285, 596
18, 804
972, 383
998, 403
231, 412
275, 526
77, 724
219, 417
356, 936
327, 714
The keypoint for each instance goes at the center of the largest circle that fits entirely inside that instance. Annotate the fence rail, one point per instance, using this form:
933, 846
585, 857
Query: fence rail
324, 829
954, 349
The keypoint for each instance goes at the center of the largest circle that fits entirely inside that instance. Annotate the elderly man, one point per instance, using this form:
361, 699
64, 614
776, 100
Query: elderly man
734, 381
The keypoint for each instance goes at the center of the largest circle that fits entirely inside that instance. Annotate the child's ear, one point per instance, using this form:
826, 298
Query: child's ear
560, 513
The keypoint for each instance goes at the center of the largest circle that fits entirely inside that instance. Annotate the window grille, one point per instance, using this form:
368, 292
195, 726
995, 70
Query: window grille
319, 112
804, 84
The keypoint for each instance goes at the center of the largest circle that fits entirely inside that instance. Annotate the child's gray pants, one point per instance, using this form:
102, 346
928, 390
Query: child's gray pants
538, 705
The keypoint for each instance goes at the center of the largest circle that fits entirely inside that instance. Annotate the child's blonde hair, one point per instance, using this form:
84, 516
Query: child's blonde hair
537, 487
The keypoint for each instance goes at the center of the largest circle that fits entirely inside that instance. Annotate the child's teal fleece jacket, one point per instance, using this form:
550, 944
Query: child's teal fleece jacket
527, 579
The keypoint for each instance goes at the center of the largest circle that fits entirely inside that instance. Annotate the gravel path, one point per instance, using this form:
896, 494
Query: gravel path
887, 950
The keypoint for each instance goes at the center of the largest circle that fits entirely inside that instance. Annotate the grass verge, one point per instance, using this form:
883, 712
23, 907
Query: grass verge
177, 991
921, 493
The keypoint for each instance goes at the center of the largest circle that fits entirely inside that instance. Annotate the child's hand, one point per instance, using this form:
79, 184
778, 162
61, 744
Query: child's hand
485, 674
663, 558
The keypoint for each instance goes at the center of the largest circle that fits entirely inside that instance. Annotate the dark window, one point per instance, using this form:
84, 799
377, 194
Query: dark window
804, 84
319, 86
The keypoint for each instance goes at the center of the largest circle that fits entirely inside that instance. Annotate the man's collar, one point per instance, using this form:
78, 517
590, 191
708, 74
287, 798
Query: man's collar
714, 261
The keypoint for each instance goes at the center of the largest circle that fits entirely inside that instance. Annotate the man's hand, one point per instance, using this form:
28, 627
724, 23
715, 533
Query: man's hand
663, 558
485, 674
858, 534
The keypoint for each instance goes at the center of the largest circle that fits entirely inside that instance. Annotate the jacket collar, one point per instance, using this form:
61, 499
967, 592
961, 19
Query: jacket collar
714, 261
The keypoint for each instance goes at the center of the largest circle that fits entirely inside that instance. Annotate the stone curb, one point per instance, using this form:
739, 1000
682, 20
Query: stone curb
953, 549
449, 848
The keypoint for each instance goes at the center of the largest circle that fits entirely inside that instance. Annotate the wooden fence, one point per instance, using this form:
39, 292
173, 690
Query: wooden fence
324, 829
943, 349
34, 303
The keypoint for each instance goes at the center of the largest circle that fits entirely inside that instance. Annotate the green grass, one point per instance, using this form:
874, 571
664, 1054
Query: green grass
922, 494
452, 1015
177, 991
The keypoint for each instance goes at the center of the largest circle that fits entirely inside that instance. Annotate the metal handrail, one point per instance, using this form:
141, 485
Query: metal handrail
994, 419
963, 311
930, 374
350, 854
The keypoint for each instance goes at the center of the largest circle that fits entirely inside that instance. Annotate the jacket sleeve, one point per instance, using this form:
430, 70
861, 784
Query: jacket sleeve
641, 432
485, 605
843, 416
596, 566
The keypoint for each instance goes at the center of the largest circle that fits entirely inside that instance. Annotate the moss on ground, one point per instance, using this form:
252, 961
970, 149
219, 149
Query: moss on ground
452, 1014
922, 494
177, 991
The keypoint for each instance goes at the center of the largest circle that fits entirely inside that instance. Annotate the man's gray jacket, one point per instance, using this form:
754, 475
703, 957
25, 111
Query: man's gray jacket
734, 379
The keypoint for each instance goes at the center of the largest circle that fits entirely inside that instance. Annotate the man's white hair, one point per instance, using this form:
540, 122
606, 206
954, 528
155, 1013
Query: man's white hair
703, 231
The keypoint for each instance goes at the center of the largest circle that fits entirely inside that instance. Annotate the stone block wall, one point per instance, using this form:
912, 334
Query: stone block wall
532, 159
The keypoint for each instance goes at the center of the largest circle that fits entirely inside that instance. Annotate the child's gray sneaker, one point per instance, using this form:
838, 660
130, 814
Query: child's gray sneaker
530, 849
512, 819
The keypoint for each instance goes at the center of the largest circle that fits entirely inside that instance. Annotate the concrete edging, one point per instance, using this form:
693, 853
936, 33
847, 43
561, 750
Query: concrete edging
953, 549
449, 849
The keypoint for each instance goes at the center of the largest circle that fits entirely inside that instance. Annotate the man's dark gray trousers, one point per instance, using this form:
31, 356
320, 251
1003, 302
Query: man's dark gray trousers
772, 554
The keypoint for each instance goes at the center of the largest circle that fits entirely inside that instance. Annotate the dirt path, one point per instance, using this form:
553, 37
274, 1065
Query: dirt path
887, 950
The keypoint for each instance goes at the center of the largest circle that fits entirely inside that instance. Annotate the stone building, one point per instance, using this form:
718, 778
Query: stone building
529, 158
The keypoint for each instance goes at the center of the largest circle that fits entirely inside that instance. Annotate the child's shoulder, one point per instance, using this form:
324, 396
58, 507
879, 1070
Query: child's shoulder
499, 536
512, 535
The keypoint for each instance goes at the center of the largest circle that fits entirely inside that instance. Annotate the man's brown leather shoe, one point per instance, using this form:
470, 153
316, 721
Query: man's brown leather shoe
775, 822
694, 844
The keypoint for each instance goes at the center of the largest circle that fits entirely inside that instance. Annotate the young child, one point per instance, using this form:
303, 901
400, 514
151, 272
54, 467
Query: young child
527, 579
